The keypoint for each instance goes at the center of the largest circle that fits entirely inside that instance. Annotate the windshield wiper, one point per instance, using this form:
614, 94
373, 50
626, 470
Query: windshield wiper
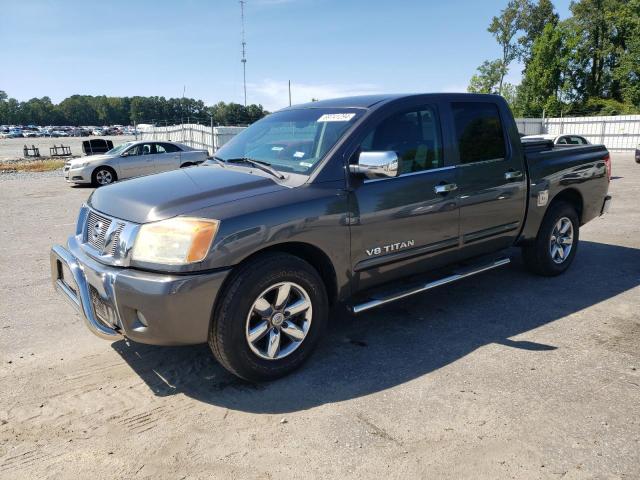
264, 166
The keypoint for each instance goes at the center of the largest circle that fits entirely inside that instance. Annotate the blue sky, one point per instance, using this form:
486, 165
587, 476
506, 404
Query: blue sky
327, 48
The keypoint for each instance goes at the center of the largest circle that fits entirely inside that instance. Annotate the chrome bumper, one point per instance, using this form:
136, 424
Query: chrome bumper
154, 308
76, 290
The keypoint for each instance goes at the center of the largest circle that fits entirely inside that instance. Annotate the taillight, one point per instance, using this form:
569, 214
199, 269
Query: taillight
607, 162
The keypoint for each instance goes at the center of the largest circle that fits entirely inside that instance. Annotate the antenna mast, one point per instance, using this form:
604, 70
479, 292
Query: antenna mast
244, 58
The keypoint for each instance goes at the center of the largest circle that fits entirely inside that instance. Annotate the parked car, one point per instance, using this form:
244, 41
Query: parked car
13, 133
98, 132
132, 159
382, 197
568, 139
638, 153
30, 133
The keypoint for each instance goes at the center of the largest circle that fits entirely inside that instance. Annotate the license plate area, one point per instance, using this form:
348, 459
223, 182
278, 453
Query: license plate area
102, 310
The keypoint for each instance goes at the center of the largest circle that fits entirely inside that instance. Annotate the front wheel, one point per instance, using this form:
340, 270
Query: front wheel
103, 176
555, 247
271, 315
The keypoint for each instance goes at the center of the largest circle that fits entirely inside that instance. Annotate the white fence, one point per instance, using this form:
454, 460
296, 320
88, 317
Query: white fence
193, 134
621, 132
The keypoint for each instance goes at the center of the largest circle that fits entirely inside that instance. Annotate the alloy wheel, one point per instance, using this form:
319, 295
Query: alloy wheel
104, 177
561, 240
279, 321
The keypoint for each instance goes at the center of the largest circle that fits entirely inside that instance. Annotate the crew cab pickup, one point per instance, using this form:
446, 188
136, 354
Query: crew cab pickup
354, 202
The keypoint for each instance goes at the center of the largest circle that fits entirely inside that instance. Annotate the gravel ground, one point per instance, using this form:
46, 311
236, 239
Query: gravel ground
11, 148
4, 176
502, 375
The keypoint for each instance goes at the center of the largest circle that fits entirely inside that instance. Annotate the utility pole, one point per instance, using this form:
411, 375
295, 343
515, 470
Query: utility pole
244, 58
289, 92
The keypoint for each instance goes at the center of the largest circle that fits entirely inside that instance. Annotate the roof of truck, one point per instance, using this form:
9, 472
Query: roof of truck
368, 101
360, 101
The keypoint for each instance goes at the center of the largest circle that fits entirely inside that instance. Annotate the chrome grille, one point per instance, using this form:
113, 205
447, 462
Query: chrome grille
97, 227
116, 238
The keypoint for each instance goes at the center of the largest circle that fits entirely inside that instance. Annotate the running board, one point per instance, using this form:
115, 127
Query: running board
376, 302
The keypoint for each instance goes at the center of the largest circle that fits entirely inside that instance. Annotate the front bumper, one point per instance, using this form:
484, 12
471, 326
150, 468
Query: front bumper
146, 307
78, 175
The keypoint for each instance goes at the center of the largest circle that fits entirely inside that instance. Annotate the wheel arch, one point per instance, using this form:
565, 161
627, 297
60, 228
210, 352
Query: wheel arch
105, 167
572, 197
312, 254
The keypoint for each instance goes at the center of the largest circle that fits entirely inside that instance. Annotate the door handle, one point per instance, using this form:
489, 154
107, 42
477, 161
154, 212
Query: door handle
513, 175
445, 188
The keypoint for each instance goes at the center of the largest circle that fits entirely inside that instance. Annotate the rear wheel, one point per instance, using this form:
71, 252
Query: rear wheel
103, 176
270, 317
555, 247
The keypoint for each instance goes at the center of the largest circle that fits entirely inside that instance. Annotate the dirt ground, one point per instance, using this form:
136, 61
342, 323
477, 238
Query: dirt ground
503, 375
12, 148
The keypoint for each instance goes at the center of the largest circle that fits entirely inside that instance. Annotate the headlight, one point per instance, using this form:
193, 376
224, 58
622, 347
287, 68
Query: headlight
177, 241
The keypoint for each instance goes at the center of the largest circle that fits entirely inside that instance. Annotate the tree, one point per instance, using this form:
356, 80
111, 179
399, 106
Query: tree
533, 19
543, 75
504, 28
489, 77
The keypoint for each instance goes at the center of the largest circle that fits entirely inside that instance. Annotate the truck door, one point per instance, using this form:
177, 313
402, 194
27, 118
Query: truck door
400, 225
491, 178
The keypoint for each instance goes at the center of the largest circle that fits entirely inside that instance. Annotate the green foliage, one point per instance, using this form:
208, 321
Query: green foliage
588, 64
103, 110
504, 28
488, 78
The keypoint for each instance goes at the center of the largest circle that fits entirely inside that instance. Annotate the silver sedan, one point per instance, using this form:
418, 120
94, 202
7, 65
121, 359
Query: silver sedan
132, 159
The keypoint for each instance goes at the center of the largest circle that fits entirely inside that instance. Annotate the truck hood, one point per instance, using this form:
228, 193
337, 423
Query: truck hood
166, 195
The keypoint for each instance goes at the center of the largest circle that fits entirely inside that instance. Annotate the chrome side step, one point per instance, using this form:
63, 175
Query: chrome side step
376, 302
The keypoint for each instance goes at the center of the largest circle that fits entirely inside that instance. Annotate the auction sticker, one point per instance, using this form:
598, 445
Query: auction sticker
336, 117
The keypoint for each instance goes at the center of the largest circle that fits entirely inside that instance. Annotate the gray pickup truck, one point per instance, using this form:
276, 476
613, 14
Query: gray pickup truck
355, 202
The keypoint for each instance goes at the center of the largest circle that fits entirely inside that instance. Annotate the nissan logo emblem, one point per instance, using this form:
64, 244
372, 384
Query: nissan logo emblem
97, 229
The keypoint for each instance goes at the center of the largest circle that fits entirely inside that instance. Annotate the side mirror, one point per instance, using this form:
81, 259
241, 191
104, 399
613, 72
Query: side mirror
376, 165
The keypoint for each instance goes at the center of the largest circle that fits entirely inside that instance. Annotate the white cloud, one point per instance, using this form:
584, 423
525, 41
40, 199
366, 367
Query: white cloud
274, 94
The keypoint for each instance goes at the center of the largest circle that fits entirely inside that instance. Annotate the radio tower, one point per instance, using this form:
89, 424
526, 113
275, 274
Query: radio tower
244, 58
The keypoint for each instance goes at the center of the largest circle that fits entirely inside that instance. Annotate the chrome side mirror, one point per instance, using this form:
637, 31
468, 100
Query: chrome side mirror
376, 164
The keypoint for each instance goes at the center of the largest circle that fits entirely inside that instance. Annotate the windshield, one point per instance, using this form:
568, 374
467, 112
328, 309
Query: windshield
119, 149
291, 140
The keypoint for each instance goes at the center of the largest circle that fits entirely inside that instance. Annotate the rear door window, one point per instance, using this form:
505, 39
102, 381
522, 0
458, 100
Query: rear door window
170, 148
479, 132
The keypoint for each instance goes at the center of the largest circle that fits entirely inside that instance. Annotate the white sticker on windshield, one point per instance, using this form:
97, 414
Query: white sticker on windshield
336, 117
298, 154
277, 149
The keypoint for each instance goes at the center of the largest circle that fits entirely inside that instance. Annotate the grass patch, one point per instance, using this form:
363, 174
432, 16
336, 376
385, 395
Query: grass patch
31, 166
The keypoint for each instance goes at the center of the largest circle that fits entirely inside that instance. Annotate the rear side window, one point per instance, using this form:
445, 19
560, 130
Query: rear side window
169, 147
478, 131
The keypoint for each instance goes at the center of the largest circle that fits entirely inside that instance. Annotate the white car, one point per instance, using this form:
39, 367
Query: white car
132, 159
565, 139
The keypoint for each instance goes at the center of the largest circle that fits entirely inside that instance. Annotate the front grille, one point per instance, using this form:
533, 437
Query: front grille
97, 227
115, 240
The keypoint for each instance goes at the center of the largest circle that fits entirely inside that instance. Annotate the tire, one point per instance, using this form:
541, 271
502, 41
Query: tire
541, 257
242, 309
102, 176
